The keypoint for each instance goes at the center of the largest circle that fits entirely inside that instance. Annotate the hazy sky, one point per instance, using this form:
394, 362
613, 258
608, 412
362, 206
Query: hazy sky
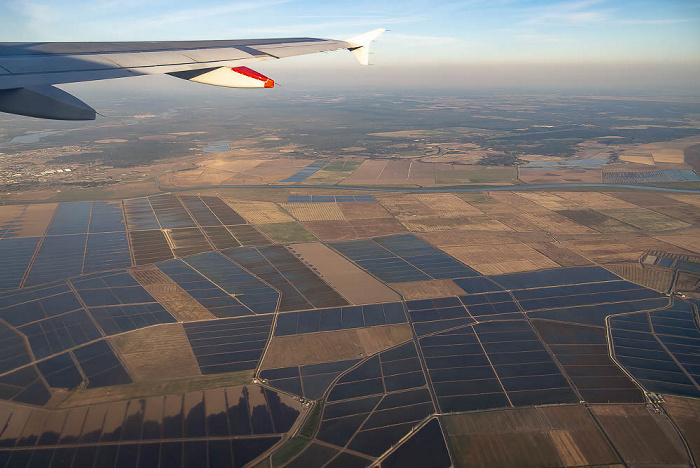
423, 33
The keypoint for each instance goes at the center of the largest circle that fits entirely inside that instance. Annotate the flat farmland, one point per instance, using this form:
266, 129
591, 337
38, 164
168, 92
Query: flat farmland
447, 204
26, 220
685, 412
476, 175
390, 172
355, 229
363, 210
596, 220
314, 211
560, 176
459, 238
287, 232
272, 171
428, 289
688, 198
641, 436
314, 348
688, 239
499, 259
658, 279
464, 223
555, 223
529, 437
180, 304
351, 282
596, 200
550, 201
664, 205
157, 353
334, 172
645, 219
559, 254
259, 212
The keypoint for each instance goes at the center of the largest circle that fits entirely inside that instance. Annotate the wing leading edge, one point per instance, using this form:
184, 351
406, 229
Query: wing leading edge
28, 71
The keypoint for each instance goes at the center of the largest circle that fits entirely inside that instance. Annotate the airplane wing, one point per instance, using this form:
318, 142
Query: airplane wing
28, 71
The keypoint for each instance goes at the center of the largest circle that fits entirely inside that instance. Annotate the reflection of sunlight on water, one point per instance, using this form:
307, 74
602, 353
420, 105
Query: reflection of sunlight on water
218, 147
33, 137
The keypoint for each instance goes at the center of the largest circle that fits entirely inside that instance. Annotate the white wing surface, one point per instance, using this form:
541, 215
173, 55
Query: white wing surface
28, 71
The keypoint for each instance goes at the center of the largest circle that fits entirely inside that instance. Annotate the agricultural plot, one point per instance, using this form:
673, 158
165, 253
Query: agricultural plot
58, 257
650, 177
140, 215
657, 279
340, 345
16, 253
222, 425
310, 381
314, 211
247, 235
686, 239
229, 345
545, 176
663, 204
334, 172
582, 352
377, 403
643, 356
118, 303
282, 233
149, 246
645, 219
305, 173
401, 258
369, 209
430, 316
596, 220
330, 198
259, 212
428, 289
187, 241
630, 429
170, 295
545, 436
351, 282
25, 220
342, 318
499, 259
355, 228
157, 353
300, 287
216, 298
685, 414
170, 212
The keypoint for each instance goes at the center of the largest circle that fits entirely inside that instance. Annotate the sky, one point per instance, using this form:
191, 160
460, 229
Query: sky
580, 40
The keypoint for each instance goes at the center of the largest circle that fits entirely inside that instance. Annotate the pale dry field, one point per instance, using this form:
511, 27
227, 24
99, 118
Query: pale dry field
314, 211
428, 289
363, 210
560, 176
353, 283
549, 200
171, 296
688, 198
28, 220
688, 239
498, 259
259, 212
596, 200
465, 223
157, 353
314, 348
447, 204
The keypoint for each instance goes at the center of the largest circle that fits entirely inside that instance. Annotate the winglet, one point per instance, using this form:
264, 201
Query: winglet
359, 45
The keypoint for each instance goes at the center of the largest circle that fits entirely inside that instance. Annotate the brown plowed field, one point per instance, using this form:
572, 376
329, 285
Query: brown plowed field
686, 239
356, 285
464, 223
685, 412
560, 255
549, 200
428, 289
640, 436
313, 348
171, 296
596, 220
658, 279
560, 176
529, 437
363, 210
596, 200
157, 353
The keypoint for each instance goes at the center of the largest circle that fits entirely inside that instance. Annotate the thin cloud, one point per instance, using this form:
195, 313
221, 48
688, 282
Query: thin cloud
571, 13
661, 21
